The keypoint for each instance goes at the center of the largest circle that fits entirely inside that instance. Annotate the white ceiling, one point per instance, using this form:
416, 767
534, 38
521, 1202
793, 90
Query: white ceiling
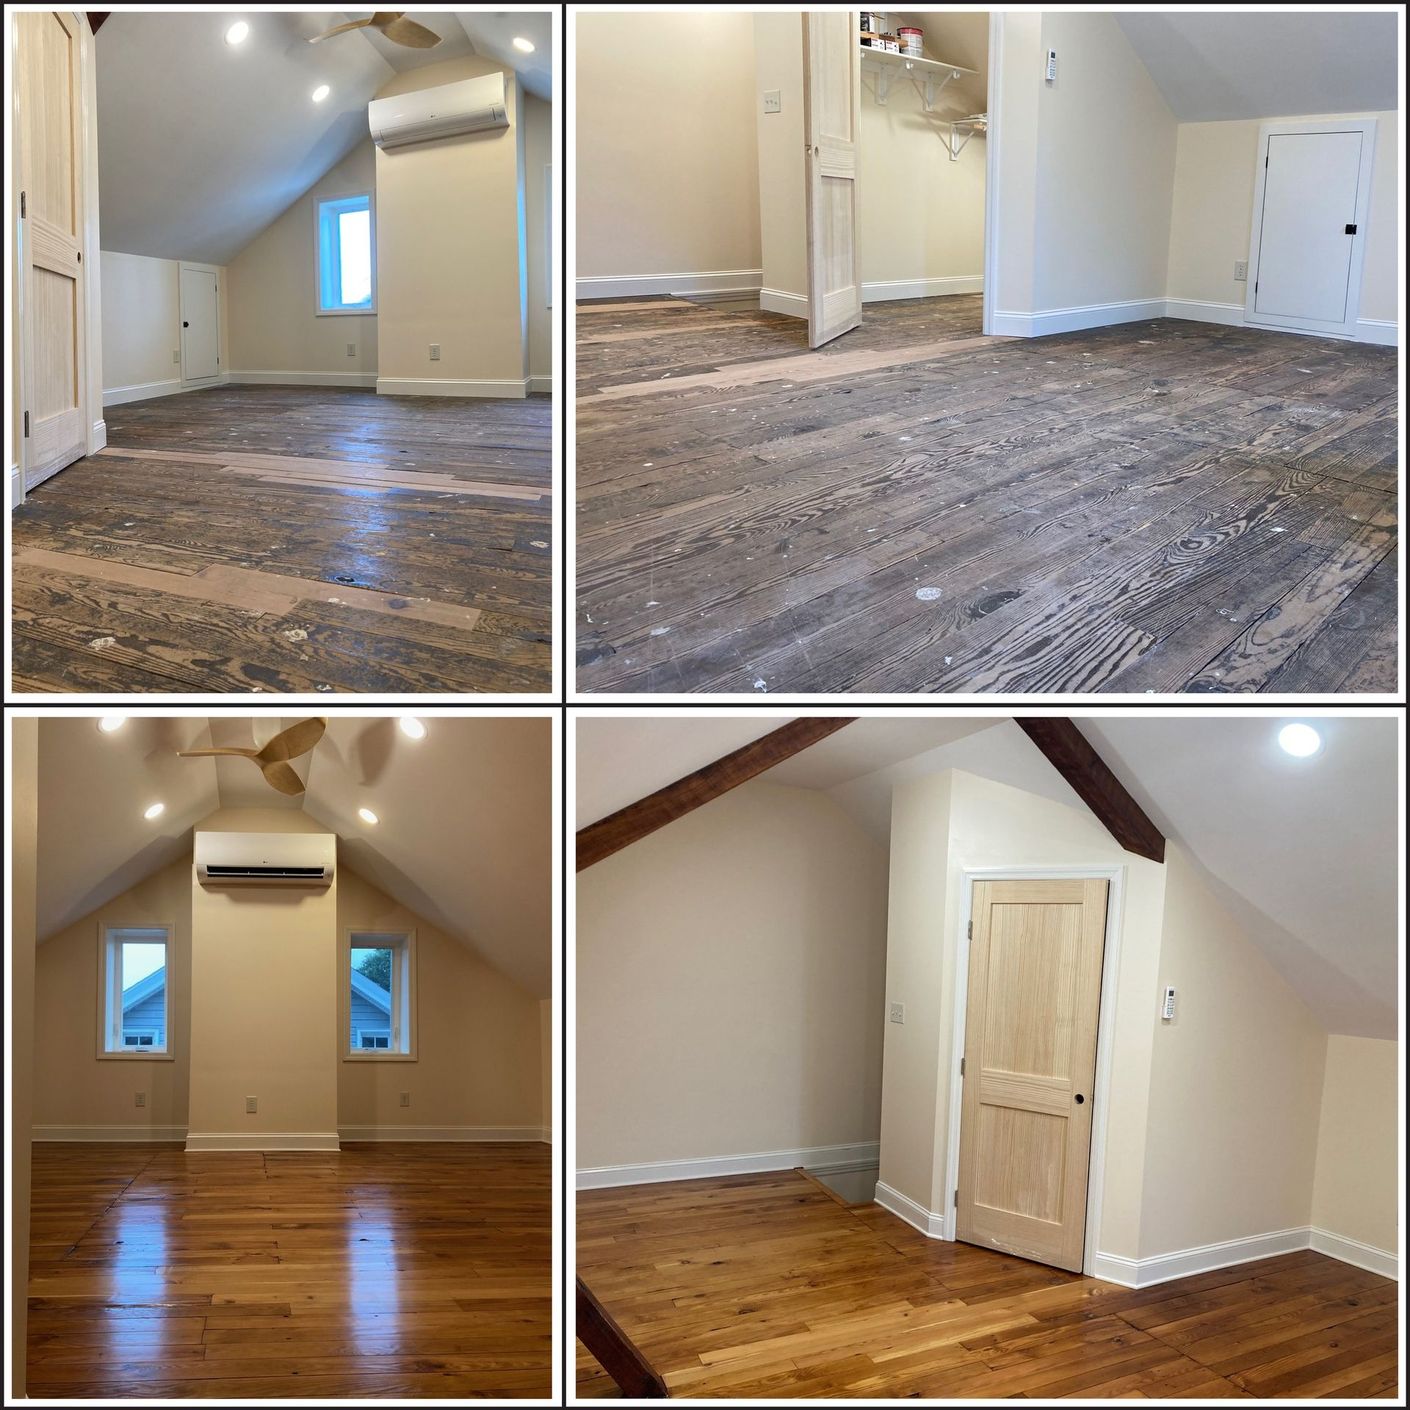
464, 837
202, 144
1263, 63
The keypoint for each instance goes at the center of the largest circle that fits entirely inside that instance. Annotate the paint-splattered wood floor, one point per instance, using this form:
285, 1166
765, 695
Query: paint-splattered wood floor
275, 539
1155, 507
765, 1286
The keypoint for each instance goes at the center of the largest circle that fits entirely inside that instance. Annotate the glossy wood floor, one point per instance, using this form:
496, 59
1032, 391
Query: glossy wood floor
381, 1270
1165, 506
765, 1285
293, 538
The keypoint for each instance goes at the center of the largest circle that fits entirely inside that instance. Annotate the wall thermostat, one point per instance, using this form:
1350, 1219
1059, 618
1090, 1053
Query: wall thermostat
1051, 72
1167, 1007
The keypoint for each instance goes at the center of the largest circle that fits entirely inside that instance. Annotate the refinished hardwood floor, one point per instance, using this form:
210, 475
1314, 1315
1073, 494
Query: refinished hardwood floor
767, 1286
1165, 506
247, 538
380, 1270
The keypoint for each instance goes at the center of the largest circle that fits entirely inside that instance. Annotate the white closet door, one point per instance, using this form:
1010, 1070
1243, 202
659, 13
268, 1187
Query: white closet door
200, 331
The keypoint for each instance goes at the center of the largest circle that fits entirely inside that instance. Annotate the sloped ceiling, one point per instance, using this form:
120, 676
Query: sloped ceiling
201, 144
1263, 63
464, 837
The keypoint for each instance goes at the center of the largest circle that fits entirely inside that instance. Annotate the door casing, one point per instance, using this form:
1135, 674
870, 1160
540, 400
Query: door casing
1115, 877
1347, 328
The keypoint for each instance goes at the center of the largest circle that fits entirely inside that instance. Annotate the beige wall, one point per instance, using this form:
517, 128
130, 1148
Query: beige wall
1357, 1191
730, 984
667, 162
1212, 213
24, 875
263, 1010
477, 1035
782, 195
273, 290
1016, 174
547, 1069
451, 251
141, 323
1236, 1083
538, 135
74, 1086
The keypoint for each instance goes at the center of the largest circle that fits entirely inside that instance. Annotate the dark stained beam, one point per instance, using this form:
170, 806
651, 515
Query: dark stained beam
1067, 750
96, 18
615, 1350
638, 820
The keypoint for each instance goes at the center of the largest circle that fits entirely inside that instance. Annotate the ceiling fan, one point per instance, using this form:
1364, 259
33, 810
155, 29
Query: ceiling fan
393, 24
273, 759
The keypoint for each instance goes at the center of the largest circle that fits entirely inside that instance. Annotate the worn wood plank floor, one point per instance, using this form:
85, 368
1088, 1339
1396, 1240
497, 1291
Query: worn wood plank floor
765, 1285
293, 539
381, 1270
1164, 506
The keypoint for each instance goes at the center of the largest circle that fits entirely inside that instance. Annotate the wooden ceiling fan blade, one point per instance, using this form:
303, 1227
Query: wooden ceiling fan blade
280, 775
205, 753
296, 740
409, 34
341, 29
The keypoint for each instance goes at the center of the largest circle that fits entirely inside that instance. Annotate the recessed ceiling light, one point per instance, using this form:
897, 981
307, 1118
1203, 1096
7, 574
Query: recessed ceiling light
320, 93
155, 811
412, 727
524, 46
237, 33
1299, 740
109, 723
367, 815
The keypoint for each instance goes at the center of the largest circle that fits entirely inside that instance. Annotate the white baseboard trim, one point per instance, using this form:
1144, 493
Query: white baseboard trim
546, 1136
440, 1133
516, 387
1204, 311
141, 391
1044, 322
262, 1141
930, 1224
776, 301
711, 1167
16, 487
1185, 1262
304, 379
541, 384
880, 290
1380, 331
635, 286
1353, 1251
142, 1134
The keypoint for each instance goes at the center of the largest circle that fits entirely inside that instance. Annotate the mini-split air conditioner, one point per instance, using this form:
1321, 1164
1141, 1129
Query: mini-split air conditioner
475, 105
265, 858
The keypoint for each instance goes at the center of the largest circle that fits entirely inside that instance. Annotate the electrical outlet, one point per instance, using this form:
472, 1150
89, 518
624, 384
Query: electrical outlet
251, 1105
773, 101
406, 1098
352, 349
141, 1099
898, 1013
435, 352
1241, 269
176, 355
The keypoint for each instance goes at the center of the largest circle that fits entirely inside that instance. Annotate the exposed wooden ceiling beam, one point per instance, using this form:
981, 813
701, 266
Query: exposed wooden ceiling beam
96, 18
638, 820
1067, 750
615, 1351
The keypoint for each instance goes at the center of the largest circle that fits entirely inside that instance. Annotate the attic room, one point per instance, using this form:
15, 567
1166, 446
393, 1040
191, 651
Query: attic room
283, 351
281, 1057
993, 352
976, 1057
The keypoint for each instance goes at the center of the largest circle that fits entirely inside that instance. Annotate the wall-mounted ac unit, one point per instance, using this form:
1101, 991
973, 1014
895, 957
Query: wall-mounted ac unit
265, 858
475, 105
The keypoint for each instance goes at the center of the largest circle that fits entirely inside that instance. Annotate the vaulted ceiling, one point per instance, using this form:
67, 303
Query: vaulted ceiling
463, 837
201, 144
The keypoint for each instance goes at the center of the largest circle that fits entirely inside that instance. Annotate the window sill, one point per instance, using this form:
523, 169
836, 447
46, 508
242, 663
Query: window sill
379, 1057
345, 313
136, 1057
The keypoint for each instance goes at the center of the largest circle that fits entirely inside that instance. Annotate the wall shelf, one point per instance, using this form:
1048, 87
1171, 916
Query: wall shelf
928, 75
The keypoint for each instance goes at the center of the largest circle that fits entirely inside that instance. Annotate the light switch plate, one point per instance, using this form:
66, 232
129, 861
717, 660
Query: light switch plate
176, 355
141, 1099
352, 349
251, 1105
435, 352
1241, 269
898, 1013
773, 100
406, 1098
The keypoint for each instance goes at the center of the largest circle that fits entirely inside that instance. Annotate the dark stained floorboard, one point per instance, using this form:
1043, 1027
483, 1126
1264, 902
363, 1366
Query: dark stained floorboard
1151, 508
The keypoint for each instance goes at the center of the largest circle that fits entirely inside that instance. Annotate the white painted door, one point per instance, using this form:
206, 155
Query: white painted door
832, 86
200, 328
1309, 228
54, 323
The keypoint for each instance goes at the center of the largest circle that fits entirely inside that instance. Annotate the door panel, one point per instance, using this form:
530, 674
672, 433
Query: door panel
53, 324
200, 334
831, 102
1309, 198
1035, 970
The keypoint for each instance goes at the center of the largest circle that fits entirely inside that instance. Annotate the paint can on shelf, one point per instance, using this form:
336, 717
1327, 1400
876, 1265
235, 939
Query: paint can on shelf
912, 41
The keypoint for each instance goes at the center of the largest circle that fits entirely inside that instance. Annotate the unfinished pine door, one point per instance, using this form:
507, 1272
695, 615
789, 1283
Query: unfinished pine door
832, 86
54, 318
1035, 970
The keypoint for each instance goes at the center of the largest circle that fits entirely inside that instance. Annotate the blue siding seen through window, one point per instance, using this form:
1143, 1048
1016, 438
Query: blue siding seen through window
345, 254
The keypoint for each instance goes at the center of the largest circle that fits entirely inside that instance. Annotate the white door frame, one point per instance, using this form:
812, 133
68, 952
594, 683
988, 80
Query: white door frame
212, 269
991, 168
1115, 877
1347, 328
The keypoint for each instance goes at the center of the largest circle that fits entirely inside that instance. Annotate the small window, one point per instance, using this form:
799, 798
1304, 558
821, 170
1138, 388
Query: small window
380, 994
346, 255
136, 1002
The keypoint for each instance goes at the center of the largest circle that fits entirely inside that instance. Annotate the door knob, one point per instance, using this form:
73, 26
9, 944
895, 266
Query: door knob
184, 323
1079, 1099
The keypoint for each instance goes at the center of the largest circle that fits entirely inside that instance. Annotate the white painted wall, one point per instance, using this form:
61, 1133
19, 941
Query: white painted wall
538, 158
782, 195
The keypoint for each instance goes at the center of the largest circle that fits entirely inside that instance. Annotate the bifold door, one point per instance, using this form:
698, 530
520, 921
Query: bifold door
1035, 974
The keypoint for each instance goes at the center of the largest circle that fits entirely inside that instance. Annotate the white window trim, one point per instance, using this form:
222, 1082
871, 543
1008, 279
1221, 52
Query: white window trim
404, 1015
105, 980
318, 310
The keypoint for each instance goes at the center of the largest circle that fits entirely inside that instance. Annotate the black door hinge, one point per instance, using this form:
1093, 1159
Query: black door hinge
1351, 230
961, 1067
21, 205
970, 932
26, 424
957, 1197
80, 257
